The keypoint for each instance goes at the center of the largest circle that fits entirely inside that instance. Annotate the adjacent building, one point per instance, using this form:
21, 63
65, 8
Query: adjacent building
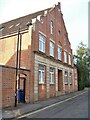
75, 78
45, 61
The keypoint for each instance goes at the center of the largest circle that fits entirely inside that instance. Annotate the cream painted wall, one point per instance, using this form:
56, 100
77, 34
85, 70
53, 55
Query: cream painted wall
8, 47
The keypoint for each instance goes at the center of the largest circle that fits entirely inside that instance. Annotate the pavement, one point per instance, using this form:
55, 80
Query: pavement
21, 109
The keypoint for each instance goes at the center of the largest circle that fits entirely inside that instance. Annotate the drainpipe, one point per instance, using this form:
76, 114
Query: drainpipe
17, 67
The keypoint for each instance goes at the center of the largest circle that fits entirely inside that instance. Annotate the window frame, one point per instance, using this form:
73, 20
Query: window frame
66, 77
69, 59
65, 56
51, 26
59, 53
51, 48
70, 78
52, 75
42, 40
42, 74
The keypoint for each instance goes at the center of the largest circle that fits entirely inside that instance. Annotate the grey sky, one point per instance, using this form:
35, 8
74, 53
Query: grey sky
75, 14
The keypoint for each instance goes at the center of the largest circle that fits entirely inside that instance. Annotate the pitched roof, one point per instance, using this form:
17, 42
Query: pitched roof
12, 26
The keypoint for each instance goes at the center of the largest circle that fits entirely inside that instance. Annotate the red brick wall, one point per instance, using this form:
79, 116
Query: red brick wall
66, 88
27, 55
52, 90
8, 86
71, 88
42, 92
58, 24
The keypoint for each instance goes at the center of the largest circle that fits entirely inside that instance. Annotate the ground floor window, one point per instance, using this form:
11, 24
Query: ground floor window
70, 78
51, 75
41, 74
66, 77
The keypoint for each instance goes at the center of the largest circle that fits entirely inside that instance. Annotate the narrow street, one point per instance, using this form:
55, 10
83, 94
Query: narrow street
74, 108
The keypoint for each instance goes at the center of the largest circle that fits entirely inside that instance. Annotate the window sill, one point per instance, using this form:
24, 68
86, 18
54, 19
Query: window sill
70, 83
52, 56
59, 60
66, 83
43, 52
65, 62
51, 83
41, 83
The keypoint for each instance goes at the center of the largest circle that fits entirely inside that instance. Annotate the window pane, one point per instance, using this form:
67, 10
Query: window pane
39, 76
69, 59
42, 77
59, 53
66, 77
52, 78
41, 43
65, 57
70, 77
51, 75
41, 67
51, 27
51, 48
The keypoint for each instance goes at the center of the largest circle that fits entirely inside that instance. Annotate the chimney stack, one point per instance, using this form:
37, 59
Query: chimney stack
59, 5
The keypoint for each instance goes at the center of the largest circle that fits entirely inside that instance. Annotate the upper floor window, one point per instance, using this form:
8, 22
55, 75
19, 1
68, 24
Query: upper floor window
65, 56
59, 53
41, 73
51, 27
51, 49
51, 75
11, 26
1, 28
42, 43
69, 59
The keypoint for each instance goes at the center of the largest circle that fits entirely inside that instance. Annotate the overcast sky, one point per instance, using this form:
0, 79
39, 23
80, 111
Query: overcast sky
75, 14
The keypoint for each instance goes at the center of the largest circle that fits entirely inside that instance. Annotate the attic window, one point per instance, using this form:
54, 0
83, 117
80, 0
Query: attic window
27, 22
1, 28
45, 12
11, 26
17, 24
51, 27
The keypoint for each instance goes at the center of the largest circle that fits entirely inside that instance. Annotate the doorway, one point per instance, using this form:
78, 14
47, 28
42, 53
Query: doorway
21, 90
60, 80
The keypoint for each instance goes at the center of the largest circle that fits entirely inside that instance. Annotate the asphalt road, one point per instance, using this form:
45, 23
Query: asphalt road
74, 108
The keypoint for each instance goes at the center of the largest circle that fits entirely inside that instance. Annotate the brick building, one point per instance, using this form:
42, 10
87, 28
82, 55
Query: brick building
75, 78
45, 57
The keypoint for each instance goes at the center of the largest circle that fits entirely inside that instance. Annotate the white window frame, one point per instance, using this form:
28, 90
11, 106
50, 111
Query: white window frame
69, 59
51, 48
59, 53
52, 76
51, 27
70, 78
41, 43
66, 77
65, 56
42, 75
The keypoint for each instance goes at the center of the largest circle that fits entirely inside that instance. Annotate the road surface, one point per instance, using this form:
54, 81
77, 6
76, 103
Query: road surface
74, 108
